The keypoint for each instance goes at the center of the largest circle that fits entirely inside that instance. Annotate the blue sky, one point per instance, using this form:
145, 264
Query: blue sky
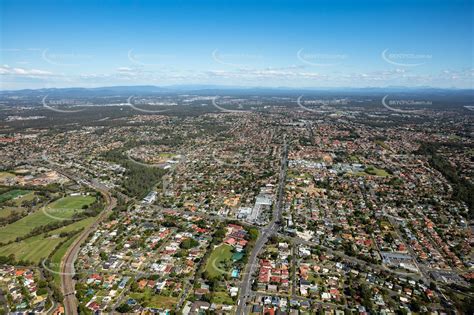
247, 43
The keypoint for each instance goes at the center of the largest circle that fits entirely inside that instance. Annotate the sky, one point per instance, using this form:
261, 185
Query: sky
301, 44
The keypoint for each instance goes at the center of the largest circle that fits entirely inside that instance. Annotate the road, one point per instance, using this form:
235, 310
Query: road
184, 294
265, 233
67, 263
297, 240
203, 215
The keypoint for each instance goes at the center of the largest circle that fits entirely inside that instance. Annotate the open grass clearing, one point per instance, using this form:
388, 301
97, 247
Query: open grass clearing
12, 194
34, 249
154, 300
61, 209
38, 247
220, 255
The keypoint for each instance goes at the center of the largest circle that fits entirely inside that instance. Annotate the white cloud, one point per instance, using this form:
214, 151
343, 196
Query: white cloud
125, 69
291, 76
7, 70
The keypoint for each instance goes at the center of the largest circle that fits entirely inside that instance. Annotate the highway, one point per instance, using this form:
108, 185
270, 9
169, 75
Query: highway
265, 233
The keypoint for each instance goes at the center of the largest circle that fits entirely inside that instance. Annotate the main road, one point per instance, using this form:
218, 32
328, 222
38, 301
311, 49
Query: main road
67, 263
265, 233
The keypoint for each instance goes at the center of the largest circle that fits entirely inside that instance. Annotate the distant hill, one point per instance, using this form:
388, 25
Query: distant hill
229, 90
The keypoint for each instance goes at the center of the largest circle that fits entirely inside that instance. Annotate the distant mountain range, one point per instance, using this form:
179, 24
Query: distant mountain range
229, 90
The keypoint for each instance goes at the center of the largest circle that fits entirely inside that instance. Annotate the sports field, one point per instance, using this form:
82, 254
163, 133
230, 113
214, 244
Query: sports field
38, 247
33, 249
61, 209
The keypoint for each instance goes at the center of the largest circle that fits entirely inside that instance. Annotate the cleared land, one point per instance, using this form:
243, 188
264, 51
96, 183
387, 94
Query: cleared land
63, 208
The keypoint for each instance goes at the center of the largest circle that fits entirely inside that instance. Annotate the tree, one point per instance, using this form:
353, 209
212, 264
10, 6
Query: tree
188, 243
123, 308
253, 233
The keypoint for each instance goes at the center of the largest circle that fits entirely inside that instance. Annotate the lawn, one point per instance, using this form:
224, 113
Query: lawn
6, 175
58, 256
222, 298
7, 211
38, 247
12, 194
74, 202
371, 170
63, 208
74, 226
34, 249
219, 255
160, 301
155, 300
166, 155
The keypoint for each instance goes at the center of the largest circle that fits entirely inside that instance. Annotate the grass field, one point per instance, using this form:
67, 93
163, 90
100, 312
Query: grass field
37, 248
30, 195
33, 249
371, 170
12, 194
382, 144
63, 208
221, 298
219, 255
6, 175
166, 155
57, 257
74, 226
157, 301
7, 211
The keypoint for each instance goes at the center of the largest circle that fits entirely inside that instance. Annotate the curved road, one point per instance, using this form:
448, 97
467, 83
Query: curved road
67, 264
